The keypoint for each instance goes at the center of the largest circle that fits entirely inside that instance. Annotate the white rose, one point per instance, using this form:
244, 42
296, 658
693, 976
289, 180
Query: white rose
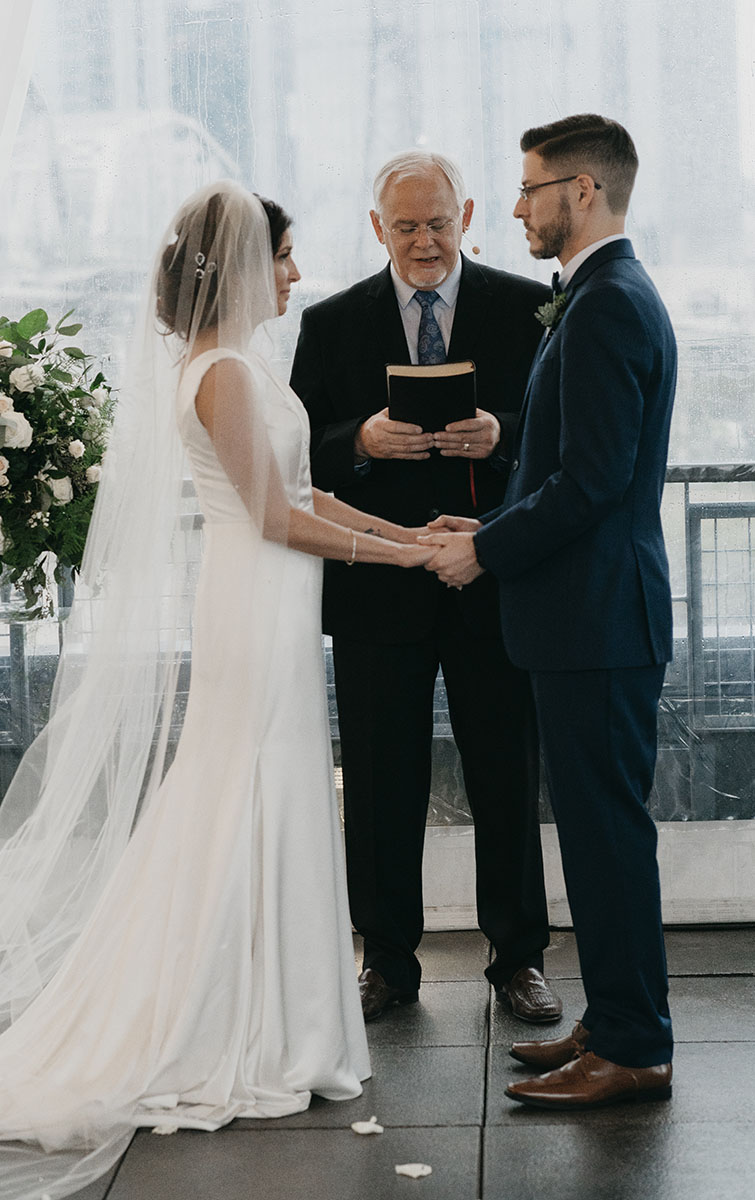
99, 396
4, 464
94, 473
62, 489
3, 480
6, 349
6, 404
25, 379
76, 448
17, 431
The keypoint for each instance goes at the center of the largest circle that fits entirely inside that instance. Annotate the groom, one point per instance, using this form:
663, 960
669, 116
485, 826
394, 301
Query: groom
578, 552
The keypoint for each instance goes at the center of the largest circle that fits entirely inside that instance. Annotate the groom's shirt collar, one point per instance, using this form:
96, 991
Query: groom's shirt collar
568, 271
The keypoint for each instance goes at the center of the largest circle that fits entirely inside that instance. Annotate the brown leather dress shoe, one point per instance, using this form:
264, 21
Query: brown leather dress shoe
547, 1056
591, 1082
376, 995
530, 997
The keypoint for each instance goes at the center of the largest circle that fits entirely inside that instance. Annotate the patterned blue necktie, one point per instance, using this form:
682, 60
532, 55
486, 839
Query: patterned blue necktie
430, 347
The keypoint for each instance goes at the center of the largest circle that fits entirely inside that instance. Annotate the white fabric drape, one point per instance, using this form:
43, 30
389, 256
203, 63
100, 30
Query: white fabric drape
18, 21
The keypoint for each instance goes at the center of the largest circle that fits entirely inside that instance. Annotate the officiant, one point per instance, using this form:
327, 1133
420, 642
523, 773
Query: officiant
392, 630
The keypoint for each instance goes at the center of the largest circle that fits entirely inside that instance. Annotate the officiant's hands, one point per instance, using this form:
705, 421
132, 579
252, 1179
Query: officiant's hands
454, 560
380, 437
477, 437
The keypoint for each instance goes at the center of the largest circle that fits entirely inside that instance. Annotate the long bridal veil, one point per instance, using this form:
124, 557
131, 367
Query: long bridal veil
83, 785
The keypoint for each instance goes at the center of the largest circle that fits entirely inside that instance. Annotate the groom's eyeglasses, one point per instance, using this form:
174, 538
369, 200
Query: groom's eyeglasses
527, 189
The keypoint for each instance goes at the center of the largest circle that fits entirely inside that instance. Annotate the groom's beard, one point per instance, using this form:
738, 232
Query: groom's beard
552, 238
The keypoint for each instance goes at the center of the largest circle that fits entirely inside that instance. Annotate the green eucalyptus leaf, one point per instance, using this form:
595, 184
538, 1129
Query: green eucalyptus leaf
62, 319
74, 352
34, 322
69, 330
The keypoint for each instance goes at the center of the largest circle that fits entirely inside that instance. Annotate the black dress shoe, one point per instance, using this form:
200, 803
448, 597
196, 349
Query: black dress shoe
376, 995
530, 997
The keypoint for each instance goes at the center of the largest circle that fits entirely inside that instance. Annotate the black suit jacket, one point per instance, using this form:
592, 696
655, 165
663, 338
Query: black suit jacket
344, 345
577, 545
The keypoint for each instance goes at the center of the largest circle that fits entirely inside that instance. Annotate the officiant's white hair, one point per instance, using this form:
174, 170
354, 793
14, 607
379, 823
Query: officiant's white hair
417, 162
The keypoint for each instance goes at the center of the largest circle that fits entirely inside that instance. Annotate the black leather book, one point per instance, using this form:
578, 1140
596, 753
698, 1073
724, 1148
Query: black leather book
432, 397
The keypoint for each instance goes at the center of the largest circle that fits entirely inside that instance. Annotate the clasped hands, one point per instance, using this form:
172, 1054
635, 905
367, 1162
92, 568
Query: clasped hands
453, 555
454, 559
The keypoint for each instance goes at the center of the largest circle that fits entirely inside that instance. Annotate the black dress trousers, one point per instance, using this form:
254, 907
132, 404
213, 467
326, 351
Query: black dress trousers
385, 706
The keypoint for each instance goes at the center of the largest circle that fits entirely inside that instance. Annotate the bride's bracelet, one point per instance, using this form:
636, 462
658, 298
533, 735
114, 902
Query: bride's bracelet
350, 561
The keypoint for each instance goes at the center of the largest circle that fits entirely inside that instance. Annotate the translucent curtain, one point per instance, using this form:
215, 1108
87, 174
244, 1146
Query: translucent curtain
19, 25
132, 105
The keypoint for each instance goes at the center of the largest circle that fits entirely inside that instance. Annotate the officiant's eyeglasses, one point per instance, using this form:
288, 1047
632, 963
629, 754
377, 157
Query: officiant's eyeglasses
435, 228
527, 189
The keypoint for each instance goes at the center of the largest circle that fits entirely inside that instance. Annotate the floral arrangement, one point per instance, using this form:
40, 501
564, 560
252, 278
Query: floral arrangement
55, 417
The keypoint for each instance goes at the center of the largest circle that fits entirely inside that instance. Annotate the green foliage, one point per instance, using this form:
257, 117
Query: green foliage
55, 417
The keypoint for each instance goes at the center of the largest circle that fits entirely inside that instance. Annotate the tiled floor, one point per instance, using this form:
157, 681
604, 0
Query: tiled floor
439, 1070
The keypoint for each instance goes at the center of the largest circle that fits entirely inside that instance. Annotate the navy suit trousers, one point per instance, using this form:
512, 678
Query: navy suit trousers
598, 733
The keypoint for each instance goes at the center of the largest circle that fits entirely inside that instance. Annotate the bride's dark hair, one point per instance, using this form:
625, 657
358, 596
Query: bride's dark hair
175, 314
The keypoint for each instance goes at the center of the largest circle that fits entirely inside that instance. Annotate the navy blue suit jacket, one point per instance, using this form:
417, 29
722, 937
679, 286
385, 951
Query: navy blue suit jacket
577, 545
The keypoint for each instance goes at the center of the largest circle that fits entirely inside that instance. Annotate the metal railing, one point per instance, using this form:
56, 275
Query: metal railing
719, 598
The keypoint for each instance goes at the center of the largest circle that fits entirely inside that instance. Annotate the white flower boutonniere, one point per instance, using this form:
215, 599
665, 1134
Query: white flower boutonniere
551, 313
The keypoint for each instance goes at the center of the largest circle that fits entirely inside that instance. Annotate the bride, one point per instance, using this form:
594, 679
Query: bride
175, 947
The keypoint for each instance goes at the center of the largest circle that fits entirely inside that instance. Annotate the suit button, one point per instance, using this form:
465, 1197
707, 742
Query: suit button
433, 514
515, 465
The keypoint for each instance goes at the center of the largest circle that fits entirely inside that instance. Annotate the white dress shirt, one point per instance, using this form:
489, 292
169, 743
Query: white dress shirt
568, 271
443, 309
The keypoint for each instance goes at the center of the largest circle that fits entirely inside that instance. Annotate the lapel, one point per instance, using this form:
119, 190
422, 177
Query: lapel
614, 250
384, 319
611, 252
473, 311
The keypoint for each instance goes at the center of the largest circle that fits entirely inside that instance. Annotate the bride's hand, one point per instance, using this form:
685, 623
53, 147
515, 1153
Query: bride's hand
414, 555
411, 533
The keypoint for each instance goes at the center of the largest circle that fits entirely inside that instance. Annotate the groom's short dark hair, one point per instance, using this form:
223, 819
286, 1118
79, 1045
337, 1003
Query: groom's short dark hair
591, 144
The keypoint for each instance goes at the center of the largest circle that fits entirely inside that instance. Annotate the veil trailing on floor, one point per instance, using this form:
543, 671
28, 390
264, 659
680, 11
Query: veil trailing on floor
82, 786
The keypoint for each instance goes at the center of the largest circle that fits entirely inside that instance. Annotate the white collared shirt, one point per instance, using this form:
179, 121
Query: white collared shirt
573, 265
443, 309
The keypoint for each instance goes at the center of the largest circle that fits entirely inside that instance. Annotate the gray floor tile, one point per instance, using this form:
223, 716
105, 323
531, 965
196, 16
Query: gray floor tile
689, 952
97, 1190
292, 1164
625, 1162
561, 961
448, 1014
410, 1085
506, 1028
458, 955
712, 1082
711, 951
717, 1009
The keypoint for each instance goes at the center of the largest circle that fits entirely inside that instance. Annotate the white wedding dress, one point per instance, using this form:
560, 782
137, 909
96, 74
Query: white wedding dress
216, 978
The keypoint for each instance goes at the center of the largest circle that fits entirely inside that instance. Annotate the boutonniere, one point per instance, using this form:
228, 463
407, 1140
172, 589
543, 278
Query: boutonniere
551, 313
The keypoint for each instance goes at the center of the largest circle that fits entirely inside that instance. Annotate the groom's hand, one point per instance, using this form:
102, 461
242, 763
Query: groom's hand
455, 561
454, 524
